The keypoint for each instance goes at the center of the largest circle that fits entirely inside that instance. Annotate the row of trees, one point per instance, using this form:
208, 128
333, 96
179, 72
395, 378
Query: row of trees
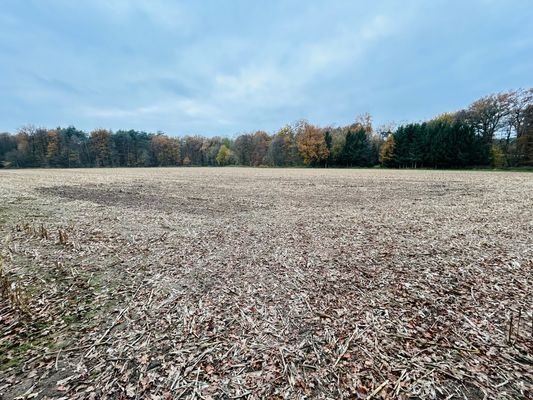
293, 145
495, 130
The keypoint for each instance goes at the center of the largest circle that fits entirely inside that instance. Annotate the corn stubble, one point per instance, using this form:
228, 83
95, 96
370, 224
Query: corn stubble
266, 283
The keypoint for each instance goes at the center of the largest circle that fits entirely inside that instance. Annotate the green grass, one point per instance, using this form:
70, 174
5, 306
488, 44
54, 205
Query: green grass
12, 353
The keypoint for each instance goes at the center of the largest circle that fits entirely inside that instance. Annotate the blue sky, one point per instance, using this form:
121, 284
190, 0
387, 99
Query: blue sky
227, 67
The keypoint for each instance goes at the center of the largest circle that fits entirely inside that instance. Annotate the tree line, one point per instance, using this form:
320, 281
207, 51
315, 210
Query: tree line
496, 131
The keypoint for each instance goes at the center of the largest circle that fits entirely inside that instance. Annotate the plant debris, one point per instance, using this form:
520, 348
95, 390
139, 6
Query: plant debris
253, 283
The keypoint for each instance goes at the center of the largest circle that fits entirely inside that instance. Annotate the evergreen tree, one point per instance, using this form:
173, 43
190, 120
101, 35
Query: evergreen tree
356, 151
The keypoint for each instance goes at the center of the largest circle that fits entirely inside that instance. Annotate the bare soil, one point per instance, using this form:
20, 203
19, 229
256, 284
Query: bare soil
266, 283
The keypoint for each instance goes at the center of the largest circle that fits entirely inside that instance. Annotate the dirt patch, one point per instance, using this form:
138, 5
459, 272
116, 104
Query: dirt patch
147, 198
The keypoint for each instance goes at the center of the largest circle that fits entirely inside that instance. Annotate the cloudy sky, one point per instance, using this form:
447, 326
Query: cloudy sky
226, 67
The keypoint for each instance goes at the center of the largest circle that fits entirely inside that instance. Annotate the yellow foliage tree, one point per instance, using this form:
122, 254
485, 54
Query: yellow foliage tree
312, 145
52, 150
224, 155
386, 153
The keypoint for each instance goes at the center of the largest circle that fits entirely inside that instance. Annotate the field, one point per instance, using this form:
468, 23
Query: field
266, 283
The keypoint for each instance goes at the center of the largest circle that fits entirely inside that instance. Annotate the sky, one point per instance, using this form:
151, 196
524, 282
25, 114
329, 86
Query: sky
216, 67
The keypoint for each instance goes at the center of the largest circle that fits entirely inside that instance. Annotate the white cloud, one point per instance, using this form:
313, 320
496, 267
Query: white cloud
284, 79
270, 73
173, 107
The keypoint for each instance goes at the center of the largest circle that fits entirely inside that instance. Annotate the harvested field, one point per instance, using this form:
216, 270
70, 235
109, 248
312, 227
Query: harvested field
266, 283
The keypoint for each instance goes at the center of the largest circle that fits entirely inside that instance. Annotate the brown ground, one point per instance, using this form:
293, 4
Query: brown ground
266, 283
